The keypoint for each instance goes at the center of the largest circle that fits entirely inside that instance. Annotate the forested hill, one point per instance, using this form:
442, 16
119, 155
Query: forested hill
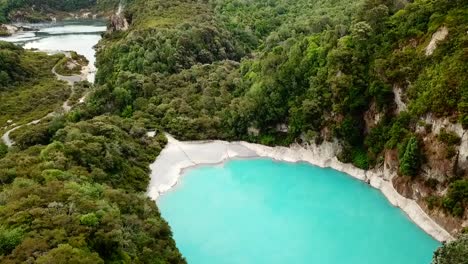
37, 10
385, 80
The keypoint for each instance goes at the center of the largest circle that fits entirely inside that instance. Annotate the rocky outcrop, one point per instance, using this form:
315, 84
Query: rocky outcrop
398, 93
436, 151
372, 117
438, 36
117, 23
12, 29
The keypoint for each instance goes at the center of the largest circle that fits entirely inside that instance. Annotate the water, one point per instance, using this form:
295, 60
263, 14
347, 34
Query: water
77, 35
265, 212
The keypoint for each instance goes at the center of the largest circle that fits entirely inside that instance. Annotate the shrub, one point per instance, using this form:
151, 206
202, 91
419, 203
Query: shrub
433, 202
411, 160
360, 159
3, 150
457, 198
449, 138
89, 219
455, 252
9, 239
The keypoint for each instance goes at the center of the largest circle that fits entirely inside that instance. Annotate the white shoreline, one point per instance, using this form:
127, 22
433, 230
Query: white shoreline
178, 156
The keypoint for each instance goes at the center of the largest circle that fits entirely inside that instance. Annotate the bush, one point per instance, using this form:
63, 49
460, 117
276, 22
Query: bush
89, 220
65, 254
360, 159
9, 239
411, 160
3, 150
456, 198
455, 252
449, 138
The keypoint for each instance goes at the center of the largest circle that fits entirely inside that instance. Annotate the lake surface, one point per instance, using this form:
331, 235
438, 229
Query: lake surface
261, 211
74, 35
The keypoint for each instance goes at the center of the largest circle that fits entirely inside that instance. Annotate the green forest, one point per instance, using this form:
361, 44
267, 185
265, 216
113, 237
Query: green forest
38, 10
73, 187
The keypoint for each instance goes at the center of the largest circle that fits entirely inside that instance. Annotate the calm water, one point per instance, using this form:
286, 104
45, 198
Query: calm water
263, 212
79, 36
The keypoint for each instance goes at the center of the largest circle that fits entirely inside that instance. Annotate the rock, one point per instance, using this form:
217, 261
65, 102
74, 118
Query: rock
438, 36
372, 117
282, 128
253, 131
401, 106
117, 23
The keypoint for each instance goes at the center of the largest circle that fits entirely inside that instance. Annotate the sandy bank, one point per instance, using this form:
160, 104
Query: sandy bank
178, 155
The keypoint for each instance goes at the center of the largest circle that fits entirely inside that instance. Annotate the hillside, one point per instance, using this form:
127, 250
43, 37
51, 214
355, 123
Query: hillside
28, 88
44, 10
384, 80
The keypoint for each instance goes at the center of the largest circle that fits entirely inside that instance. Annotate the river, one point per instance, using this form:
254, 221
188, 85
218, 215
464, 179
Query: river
71, 35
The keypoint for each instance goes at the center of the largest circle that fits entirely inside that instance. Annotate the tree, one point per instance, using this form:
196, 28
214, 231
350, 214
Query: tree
9, 239
455, 252
65, 254
411, 160
3, 150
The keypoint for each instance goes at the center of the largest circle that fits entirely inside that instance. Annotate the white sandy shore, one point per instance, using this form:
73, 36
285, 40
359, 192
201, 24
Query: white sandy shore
178, 155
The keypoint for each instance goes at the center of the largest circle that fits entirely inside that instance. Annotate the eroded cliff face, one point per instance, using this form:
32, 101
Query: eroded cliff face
442, 164
117, 23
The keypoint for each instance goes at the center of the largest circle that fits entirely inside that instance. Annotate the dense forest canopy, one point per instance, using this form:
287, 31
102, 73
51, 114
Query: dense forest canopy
273, 72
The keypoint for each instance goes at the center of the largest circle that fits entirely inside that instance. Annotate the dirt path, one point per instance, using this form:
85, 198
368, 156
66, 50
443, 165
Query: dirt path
71, 80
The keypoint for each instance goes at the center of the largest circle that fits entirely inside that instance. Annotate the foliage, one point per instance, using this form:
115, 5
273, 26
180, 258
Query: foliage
411, 159
456, 199
291, 70
33, 8
65, 253
3, 150
86, 192
28, 88
9, 239
71, 65
449, 138
455, 252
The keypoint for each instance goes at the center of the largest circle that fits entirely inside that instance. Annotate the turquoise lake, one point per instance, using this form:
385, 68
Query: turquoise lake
261, 211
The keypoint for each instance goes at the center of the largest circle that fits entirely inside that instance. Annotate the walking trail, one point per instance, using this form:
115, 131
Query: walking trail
71, 80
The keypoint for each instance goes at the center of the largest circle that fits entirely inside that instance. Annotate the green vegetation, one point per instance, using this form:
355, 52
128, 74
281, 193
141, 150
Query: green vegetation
35, 10
81, 198
39, 10
411, 158
28, 88
295, 71
449, 138
455, 252
71, 65
456, 200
